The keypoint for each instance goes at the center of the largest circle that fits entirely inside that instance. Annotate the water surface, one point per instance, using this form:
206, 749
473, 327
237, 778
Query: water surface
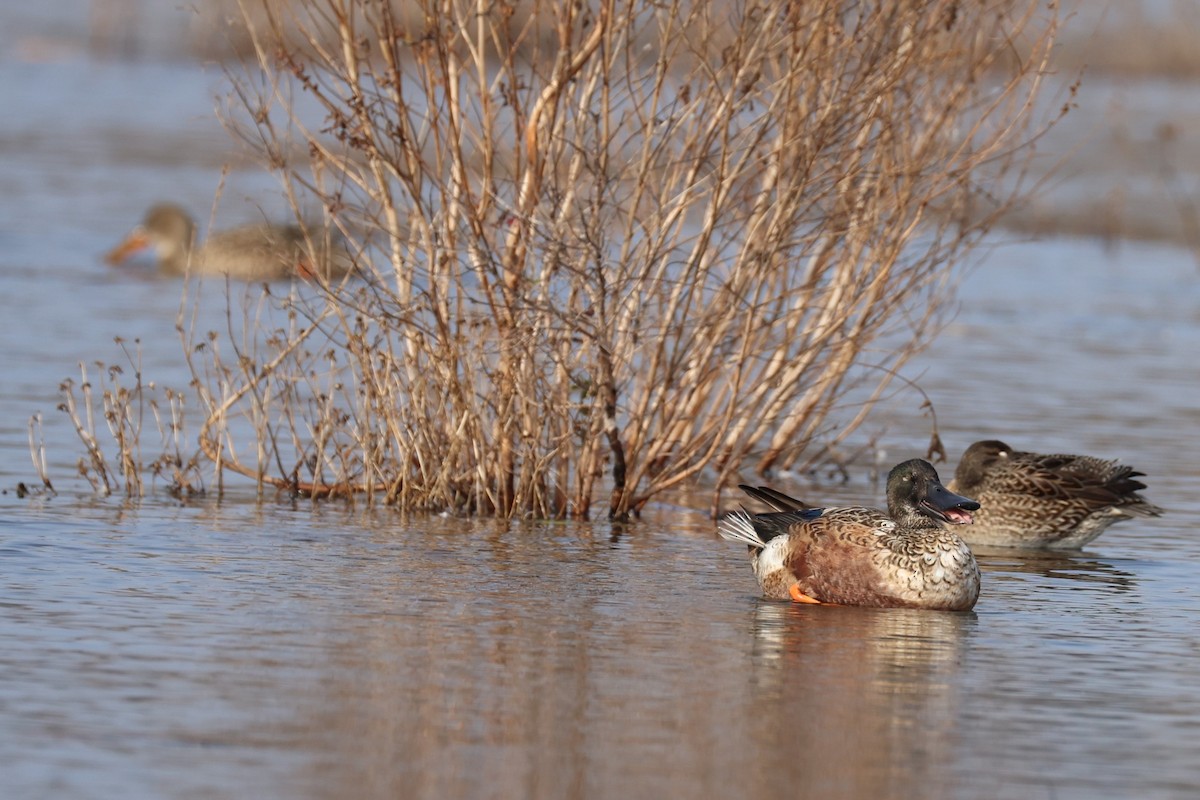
278, 649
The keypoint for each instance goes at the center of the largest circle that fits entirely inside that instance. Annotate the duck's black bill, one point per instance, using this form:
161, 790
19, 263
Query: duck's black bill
949, 507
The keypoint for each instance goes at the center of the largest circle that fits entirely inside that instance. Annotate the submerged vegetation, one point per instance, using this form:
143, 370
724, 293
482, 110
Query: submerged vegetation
604, 248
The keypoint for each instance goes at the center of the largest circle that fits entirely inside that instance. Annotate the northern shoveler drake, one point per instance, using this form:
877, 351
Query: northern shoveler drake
252, 252
1049, 501
862, 556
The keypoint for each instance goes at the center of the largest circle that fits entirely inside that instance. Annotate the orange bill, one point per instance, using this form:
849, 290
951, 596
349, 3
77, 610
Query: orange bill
135, 241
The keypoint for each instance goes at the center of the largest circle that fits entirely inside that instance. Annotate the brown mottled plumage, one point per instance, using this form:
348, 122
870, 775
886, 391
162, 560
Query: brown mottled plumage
252, 252
861, 556
1053, 501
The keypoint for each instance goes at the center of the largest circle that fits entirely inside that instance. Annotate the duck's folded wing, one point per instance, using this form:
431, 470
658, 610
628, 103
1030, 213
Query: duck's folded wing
851, 527
1085, 479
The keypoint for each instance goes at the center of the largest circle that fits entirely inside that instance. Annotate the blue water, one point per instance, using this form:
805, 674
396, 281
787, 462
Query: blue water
270, 648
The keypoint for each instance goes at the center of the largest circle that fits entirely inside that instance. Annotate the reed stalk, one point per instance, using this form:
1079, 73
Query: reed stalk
606, 249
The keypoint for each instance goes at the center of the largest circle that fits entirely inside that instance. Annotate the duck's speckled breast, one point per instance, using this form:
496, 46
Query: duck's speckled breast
935, 569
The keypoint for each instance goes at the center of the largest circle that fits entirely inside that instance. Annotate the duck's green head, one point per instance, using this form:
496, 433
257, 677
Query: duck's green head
916, 497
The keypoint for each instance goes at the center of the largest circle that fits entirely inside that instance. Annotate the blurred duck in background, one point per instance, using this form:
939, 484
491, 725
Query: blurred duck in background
262, 252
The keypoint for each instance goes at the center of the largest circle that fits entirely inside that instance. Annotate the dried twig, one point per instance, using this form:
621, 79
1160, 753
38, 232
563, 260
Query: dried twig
608, 247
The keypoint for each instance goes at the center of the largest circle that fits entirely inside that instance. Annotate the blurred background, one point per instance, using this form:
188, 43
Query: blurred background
137, 79
277, 649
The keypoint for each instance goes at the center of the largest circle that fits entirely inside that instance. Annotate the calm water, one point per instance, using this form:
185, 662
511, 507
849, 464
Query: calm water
281, 651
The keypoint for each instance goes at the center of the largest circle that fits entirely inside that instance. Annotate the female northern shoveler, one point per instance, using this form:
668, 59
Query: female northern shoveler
1052, 501
252, 252
861, 556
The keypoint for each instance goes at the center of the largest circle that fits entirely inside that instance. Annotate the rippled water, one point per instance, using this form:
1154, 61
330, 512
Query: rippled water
281, 652
240, 649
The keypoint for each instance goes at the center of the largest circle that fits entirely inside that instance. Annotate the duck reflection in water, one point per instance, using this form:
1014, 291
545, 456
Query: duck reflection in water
1079, 570
885, 685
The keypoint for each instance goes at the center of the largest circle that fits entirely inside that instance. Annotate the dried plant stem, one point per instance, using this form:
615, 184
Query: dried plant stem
123, 410
606, 248
37, 452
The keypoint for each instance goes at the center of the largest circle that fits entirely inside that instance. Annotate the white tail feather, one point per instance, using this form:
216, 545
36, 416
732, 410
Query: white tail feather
739, 527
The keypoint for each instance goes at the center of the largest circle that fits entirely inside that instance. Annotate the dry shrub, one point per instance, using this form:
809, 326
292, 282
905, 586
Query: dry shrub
610, 246
126, 412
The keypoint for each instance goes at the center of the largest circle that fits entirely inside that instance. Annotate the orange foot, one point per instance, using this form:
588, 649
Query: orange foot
799, 596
